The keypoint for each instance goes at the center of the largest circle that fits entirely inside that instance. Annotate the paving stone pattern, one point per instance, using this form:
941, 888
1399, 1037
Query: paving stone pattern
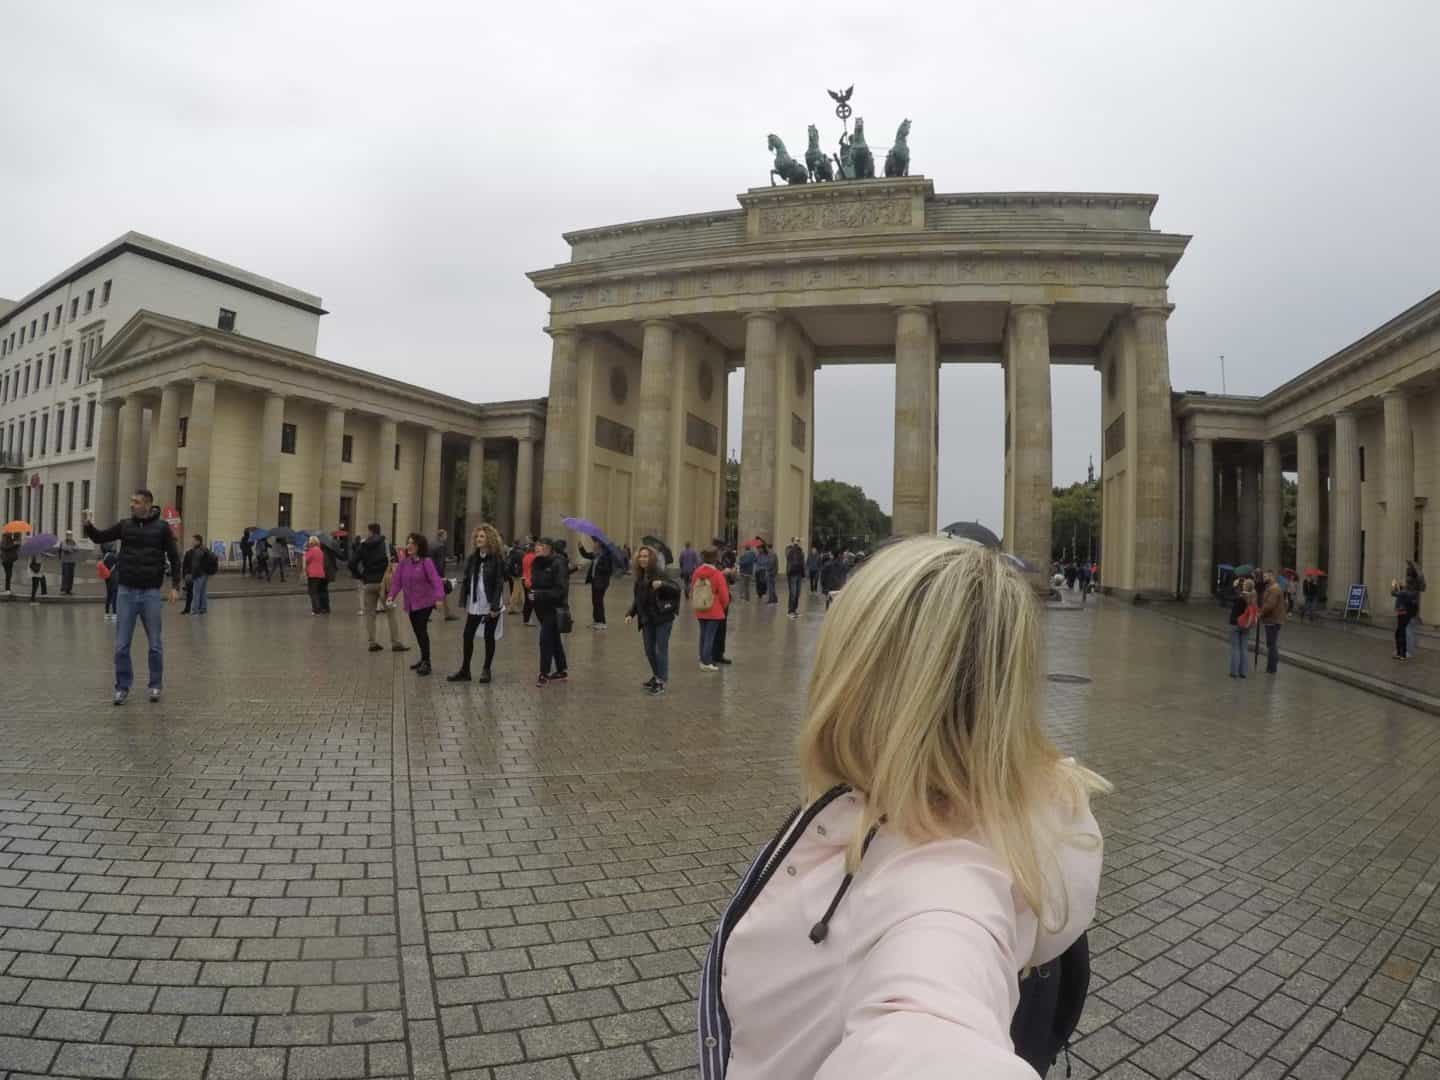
307, 862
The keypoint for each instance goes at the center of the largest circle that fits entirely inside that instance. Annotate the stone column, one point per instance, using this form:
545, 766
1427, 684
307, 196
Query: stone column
199, 444
1030, 432
1248, 550
1345, 569
759, 433
267, 487
331, 469
131, 475
562, 434
104, 500
525, 486
387, 433
164, 452
915, 407
1154, 524
1307, 500
1202, 518
1399, 487
1270, 497
653, 443
474, 491
430, 486
504, 508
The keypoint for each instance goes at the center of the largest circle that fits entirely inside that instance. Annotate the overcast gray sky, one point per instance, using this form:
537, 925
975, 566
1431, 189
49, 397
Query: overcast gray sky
410, 162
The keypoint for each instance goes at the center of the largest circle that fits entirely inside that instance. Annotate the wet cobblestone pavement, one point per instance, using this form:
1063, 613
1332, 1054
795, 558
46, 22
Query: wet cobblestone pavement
306, 862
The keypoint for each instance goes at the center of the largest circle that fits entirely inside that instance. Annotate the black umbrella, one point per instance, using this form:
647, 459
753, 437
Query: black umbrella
660, 547
284, 534
972, 530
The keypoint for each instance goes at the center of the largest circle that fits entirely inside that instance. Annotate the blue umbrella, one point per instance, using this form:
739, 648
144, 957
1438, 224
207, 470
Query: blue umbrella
39, 544
590, 529
259, 534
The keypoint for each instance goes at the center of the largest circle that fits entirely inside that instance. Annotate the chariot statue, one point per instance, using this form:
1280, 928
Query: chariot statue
854, 161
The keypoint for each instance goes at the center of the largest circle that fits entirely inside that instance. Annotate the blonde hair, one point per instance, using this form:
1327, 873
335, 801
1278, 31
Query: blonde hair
492, 537
924, 698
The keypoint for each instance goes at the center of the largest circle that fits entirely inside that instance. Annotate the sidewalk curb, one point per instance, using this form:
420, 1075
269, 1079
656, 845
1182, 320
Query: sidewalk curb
1416, 699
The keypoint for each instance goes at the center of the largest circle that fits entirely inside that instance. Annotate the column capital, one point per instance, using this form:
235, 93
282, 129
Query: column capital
273, 395
1159, 311
918, 309
769, 314
562, 332
1395, 392
667, 324
1199, 440
1016, 309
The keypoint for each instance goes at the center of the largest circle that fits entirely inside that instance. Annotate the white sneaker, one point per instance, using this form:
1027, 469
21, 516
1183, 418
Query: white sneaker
709, 667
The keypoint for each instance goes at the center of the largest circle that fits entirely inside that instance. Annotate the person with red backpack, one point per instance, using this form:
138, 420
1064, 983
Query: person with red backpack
1243, 615
710, 597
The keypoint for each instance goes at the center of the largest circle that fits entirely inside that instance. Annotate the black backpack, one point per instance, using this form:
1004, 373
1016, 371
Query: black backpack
212, 564
1052, 997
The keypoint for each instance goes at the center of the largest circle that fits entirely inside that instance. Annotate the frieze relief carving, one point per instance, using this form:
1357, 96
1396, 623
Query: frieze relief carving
865, 273
831, 216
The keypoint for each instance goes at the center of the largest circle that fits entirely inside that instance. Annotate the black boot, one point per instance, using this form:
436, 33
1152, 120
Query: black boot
423, 668
484, 676
462, 676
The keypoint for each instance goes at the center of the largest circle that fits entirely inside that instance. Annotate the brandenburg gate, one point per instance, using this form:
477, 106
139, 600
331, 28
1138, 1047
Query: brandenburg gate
647, 319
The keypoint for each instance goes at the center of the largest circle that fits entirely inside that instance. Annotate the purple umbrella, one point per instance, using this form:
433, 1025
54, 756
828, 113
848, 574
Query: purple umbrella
590, 529
39, 544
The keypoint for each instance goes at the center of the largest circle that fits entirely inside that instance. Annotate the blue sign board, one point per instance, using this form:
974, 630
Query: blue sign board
1356, 601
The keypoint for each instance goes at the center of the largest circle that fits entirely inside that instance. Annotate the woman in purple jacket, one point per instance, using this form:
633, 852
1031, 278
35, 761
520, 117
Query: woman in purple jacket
415, 576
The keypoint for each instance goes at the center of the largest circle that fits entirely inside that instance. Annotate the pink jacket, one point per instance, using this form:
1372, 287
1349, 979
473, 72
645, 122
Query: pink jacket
314, 562
919, 975
417, 579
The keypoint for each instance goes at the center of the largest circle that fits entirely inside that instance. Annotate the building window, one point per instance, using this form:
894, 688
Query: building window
287, 438
58, 309
85, 494
89, 423
50, 368
180, 500
5, 387
65, 365
394, 520
69, 504
227, 319
105, 293
283, 516
89, 301
27, 380
1362, 470
45, 323
74, 424
74, 308
33, 324
44, 433
54, 508
397, 459
22, 333
60, 429
182, 431
347, 448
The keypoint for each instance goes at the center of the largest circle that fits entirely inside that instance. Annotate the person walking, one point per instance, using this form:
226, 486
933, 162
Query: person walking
1415, 583
482, 594
812, 568
370, 565
929, 783
190, 565
832, 577
207, 566
710, 597
1243, 614
762, 572
317, 581
1407, 609
656, 601
597, 576
147, 548
415, 577
1309, 592
105, 571
262, 558
9, 556
69, 556
745, 564
527, 565
439, 554
689, 563
279, 559
247, 551
549, 595
795, 571
38, 584
1272, 616
772, 575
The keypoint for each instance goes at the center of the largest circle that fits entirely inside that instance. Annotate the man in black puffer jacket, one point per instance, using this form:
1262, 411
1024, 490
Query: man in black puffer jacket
146, 546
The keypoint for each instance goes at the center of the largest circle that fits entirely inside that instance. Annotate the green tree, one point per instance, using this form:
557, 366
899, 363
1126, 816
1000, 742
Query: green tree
731, 524
1289, 492
843, 514
1075, 521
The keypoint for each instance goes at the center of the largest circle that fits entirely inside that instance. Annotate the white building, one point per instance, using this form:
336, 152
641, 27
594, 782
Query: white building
49, 404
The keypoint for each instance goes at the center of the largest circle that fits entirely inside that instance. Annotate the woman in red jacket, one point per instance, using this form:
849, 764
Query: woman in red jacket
711, 615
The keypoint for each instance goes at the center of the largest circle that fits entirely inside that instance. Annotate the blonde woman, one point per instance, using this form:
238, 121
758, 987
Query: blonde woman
944, 845
482, 594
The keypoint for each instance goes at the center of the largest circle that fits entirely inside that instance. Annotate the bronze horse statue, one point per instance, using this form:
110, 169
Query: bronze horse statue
815, 159
863, 161
897, 161
786, 167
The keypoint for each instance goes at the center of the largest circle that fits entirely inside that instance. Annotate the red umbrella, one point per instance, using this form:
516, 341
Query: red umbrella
1312, 572
756, 542
1288, 572
338, 533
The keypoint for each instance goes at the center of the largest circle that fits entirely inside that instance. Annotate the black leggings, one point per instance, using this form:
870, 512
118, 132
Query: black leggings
1402, 625
472, 623
597, 601
9, 572
420, 623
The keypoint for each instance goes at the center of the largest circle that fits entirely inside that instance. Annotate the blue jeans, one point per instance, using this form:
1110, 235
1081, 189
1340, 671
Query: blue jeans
709, 635
1238, 639
112, 591
657, 648
795, 581
142, 604
199, 599
1272, 647
1412, 636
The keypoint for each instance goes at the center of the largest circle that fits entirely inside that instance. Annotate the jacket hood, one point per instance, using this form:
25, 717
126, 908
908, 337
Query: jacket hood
153, 515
